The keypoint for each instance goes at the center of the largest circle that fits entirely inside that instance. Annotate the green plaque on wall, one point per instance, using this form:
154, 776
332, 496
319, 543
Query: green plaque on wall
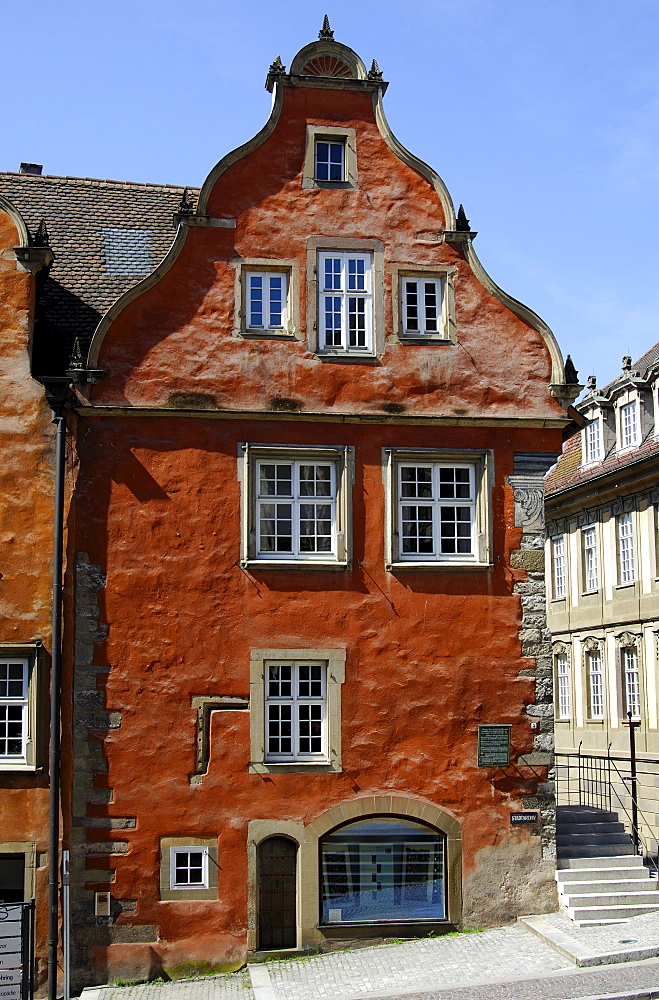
494, 746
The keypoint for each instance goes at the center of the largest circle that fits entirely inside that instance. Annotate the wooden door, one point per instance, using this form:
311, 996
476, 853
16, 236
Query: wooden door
277, 858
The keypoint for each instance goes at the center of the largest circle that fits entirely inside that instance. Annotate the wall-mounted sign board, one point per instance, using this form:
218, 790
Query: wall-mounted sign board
523, 818
16, 951
494, 746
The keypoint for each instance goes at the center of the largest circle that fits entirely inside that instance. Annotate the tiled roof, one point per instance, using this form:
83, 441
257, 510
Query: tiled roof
105, 235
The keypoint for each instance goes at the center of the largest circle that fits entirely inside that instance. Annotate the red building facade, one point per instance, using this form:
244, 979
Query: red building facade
307, 562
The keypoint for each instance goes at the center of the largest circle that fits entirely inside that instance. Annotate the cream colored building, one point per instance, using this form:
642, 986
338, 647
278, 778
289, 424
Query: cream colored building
601, 506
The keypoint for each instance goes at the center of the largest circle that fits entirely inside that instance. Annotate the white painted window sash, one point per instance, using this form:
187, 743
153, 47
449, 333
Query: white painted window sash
294, 510
629, 425
329, 160
422, 301
626, 567
558, 566
591, 569
414, 510
563, 679
595, 684
14, 698
266, 296
295, 709
631, 681
345, 302
594, 440
181, 858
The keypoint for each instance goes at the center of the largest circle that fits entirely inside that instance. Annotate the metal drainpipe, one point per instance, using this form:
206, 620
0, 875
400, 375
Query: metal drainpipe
55, 698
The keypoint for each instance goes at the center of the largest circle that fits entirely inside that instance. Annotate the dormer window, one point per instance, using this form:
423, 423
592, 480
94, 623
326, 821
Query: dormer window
593, 438
629, 430
329, 160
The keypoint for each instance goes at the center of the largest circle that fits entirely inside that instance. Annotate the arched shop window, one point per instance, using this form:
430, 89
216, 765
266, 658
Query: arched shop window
383, 868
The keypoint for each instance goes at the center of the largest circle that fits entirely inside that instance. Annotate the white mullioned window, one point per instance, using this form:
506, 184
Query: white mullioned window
629, 425
188, 867
345, 302
594, 440
563, 685
626, 566
631, 681
14, 679
436, 511
559, 577
329, 160
266, 295
590, 566
295, 711
595, 684
296, 509
422, 301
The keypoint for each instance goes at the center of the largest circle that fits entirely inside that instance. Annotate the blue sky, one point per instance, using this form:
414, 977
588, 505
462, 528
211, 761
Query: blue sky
542, 118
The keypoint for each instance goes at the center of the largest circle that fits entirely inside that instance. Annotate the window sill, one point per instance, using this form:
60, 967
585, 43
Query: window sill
296, 766
590, 593
625, 586
312, 184
595, 722
424, 338
558, 600
187, 895
442, 567
18, 767
265, 334
344, 357
293, 564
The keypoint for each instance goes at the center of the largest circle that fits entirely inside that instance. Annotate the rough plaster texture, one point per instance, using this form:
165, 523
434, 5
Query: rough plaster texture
26, 480
430, 655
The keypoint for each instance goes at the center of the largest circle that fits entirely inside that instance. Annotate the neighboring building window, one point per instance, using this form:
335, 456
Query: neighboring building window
558, 567
422, 306
628, 425
594, 441
329, 160
345, 302
563, 685
438, 509
14, 680
297, 503
383, 869
267, 300
626, 568
188, 867
631, 681
595, 684
591, 573
295, 711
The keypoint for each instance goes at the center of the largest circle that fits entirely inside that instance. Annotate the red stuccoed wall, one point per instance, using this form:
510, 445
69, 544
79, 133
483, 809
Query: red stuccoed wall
429, 655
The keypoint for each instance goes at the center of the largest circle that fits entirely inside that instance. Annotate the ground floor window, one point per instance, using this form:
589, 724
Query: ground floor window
12, 878
383, 868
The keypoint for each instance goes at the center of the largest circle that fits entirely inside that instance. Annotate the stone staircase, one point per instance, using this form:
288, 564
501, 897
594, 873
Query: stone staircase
600, 879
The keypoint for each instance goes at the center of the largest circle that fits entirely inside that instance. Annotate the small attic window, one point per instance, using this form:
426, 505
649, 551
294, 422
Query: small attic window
127, 252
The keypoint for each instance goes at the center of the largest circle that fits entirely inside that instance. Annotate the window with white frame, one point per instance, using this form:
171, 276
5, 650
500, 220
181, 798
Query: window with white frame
629, 429
422, 306
438, 510
329, 160
593, 436
345, 302
188, 867
631, 685
266, 300
559, 574
590, 565
297, 506
295, 711
626, 566
563, 684
14, 711
595, 683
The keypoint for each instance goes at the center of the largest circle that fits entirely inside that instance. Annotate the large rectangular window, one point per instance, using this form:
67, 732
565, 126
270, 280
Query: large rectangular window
631, 684
563, 685
266, 300
559, 577
295, 711
595, 684
626, 566
590, 566
345, 302
629, 430
422, 306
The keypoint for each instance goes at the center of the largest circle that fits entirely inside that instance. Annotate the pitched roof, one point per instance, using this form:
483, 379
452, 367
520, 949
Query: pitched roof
105, 235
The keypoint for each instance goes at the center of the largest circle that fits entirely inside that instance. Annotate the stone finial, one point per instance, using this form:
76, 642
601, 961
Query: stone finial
462, 223
185, 206
571, 373
626, 363
375, 73
77, 366
591, 382
325, 32
277, 67
40, 238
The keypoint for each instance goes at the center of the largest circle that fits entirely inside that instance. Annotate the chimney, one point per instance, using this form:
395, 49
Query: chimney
31, 168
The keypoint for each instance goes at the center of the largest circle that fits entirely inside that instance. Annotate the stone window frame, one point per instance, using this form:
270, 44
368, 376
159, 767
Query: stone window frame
322, 244
482, 460
343, 457
33, 654
335, 661
331, 133
172, 895
445, 273
291, 268
28, 849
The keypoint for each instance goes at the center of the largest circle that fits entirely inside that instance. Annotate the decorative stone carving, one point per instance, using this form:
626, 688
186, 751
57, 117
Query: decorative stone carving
561, 648
626, 639
593, 645
529, 502
585, 517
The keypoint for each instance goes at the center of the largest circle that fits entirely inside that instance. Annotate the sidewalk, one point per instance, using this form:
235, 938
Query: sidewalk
506, 962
